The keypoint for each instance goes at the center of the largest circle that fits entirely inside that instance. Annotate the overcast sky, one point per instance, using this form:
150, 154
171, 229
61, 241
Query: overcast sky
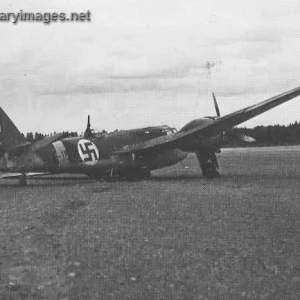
143, 62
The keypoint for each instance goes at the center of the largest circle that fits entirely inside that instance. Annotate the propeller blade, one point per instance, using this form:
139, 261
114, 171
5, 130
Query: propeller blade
247, 138
216, 105
88, 122
88, 132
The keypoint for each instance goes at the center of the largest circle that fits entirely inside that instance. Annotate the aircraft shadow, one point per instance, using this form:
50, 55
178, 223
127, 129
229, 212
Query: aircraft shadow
257, 176
227, 177
176, 178
14, 187
73, 181
78, 178
46, 181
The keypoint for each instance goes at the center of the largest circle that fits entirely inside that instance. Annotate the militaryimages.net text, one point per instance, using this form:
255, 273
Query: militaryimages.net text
46, 17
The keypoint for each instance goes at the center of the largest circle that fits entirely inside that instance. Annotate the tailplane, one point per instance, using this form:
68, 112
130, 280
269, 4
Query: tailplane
10, 137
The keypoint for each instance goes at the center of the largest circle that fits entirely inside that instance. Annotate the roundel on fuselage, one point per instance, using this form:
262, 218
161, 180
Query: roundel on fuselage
88, 152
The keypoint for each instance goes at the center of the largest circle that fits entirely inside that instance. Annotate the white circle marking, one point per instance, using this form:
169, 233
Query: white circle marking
88, 152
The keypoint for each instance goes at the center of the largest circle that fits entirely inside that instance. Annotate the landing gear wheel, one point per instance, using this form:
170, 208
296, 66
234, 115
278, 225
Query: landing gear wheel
210, 171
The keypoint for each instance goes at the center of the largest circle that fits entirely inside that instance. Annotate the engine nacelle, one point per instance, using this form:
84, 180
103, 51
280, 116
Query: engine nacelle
210, 142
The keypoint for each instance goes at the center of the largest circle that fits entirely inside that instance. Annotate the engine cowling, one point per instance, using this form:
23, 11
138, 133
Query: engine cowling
210, 142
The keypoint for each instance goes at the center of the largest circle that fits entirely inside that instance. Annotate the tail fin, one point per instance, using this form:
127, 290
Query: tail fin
10, 136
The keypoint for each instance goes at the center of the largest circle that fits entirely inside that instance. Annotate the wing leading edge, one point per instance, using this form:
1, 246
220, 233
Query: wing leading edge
221, 124
245, 114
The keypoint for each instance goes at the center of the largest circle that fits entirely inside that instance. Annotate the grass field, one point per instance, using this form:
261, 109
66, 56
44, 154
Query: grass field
174, 237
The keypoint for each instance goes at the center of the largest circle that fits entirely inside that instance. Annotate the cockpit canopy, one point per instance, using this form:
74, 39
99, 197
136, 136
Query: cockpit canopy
154, 132
99, 134
165, 129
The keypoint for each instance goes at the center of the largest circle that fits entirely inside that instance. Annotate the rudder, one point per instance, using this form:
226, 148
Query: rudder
10, 136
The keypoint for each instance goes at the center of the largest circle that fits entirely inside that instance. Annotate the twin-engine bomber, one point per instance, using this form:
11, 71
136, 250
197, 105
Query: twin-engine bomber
129, 154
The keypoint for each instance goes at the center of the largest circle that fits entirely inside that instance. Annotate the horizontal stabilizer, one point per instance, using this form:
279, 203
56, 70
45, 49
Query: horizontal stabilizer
18, 175
247, 138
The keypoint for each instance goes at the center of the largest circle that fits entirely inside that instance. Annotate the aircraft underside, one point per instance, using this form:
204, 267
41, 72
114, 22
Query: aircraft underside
124, 168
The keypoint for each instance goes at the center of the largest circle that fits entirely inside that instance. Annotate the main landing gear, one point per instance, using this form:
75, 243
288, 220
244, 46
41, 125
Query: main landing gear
208, 164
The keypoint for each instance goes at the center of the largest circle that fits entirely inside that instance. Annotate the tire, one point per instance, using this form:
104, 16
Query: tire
210, 171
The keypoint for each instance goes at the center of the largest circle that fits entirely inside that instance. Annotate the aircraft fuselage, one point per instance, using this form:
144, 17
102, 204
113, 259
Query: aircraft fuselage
94, 156
97, 155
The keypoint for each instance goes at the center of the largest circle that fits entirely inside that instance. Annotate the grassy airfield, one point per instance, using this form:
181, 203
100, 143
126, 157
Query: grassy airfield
174, 237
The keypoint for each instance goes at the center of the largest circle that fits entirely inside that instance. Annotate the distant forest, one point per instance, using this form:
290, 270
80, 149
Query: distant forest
31, 137
275, 135
264, 135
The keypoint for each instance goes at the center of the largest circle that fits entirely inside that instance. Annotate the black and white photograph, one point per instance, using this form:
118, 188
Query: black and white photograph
149, 150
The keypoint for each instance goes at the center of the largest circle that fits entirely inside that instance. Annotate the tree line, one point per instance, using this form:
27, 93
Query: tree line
36, 136
267, 135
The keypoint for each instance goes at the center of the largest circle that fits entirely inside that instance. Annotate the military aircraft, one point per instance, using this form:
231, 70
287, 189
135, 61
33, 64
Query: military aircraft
130, 154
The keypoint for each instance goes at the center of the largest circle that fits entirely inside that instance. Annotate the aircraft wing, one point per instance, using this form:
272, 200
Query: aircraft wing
221, 124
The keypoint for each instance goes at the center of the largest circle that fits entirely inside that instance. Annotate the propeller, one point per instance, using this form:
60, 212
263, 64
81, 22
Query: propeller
88, 132
88, 123
216, 105
238, 137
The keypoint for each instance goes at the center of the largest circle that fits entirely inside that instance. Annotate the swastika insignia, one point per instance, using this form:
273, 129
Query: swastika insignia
88, 152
